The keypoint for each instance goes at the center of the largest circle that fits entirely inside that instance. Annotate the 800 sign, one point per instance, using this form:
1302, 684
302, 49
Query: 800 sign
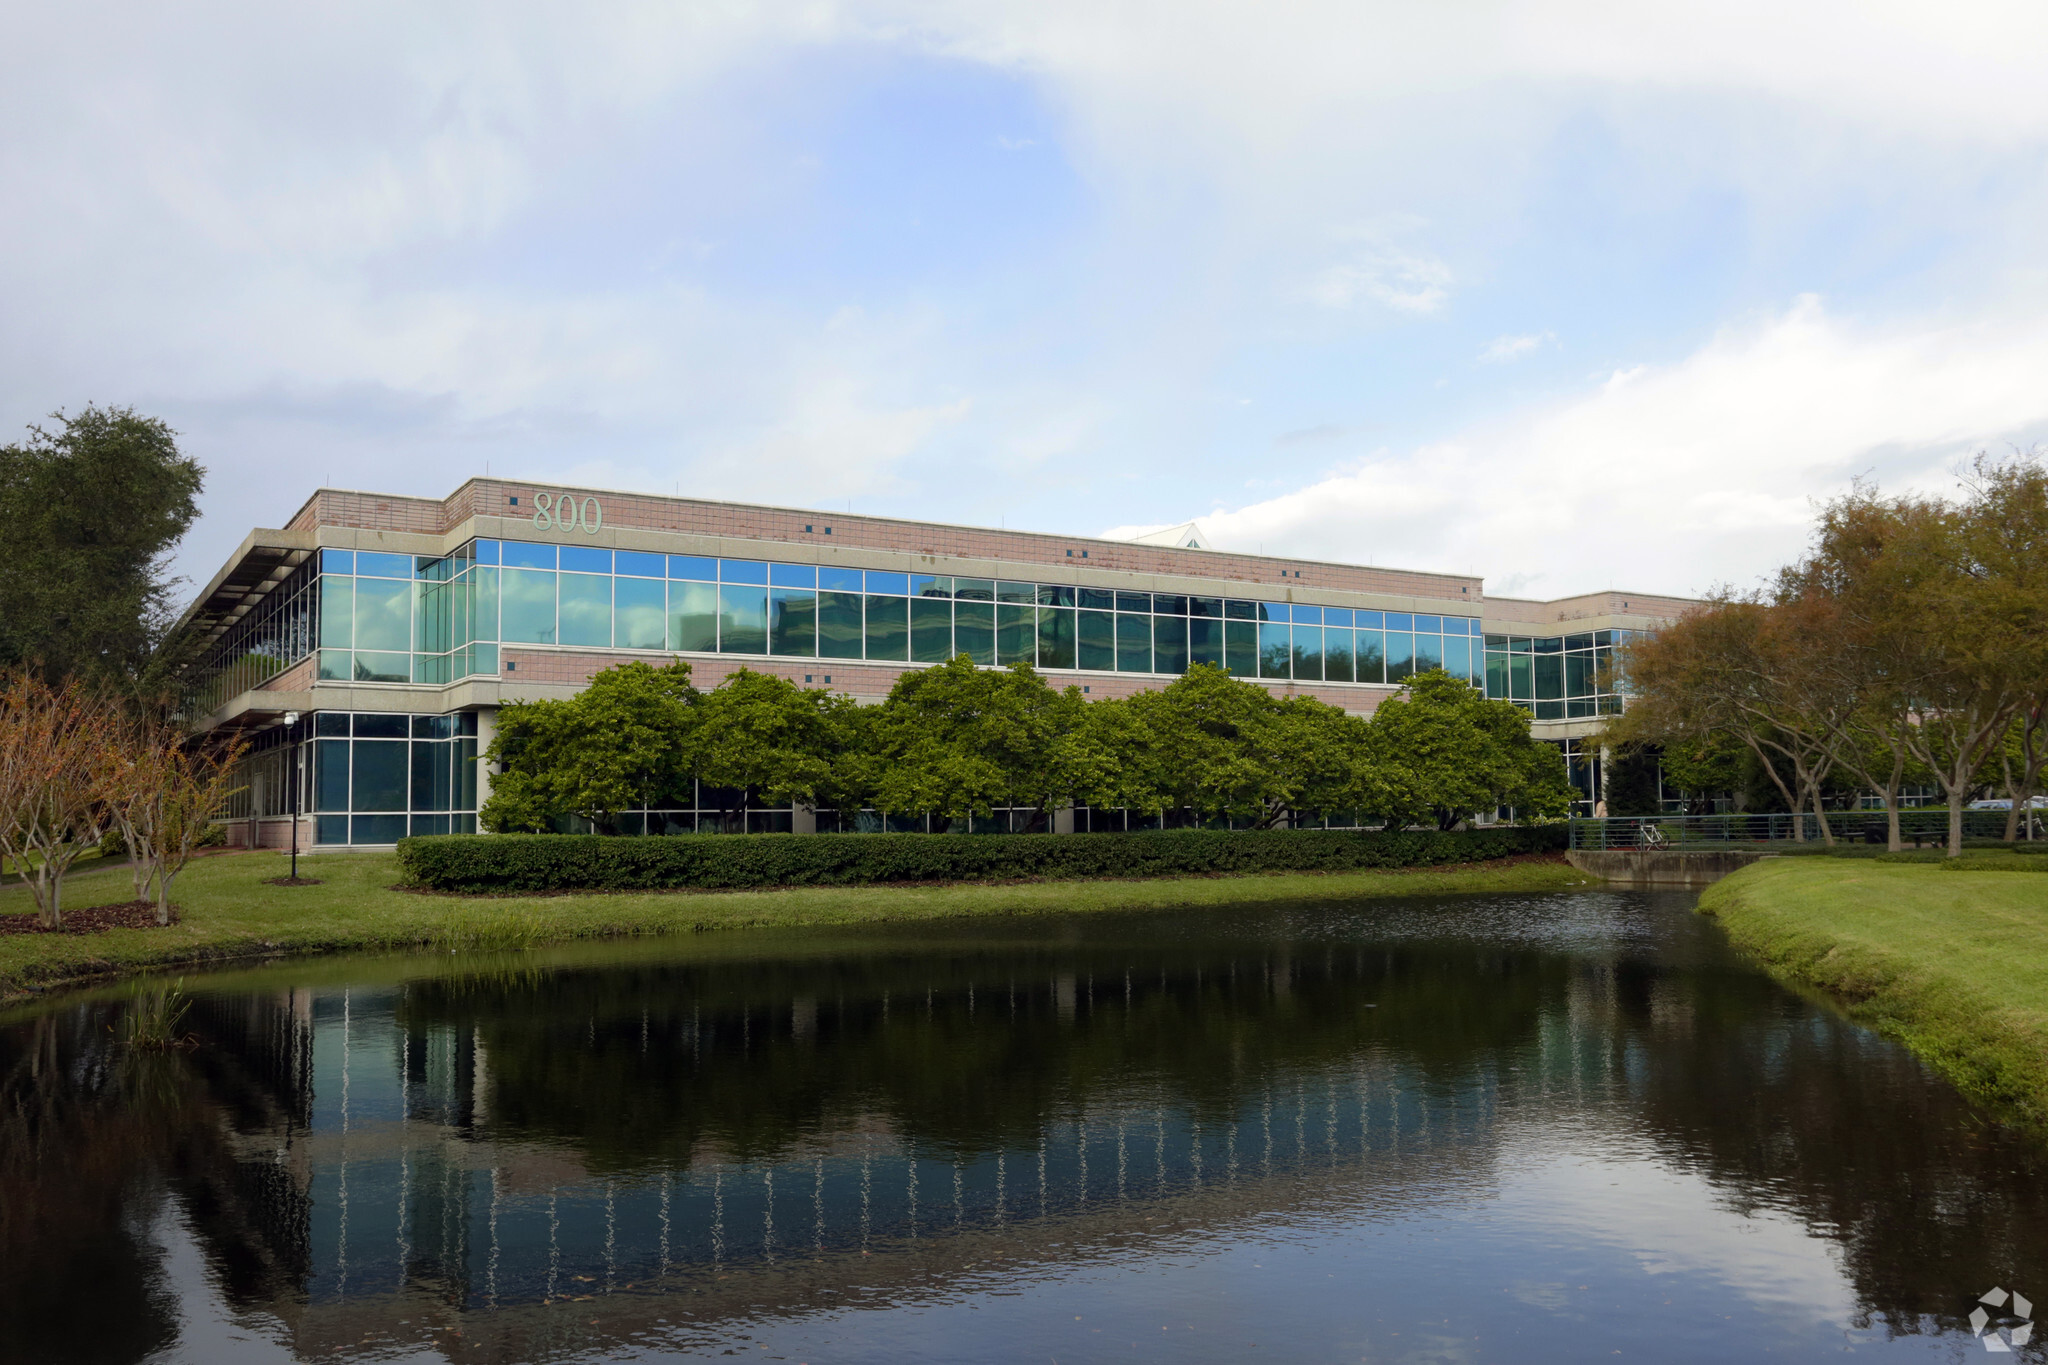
565, 513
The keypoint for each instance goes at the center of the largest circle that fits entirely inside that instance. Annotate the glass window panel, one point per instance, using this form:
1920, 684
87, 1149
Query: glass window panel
1055, 638
1431, 625
337, 561
376, 565
585, 559
484, 551
1369, 655
931, 629
377, 769
586, 609
1549, 644
1603, 637
842, 627
431, 668
742, 618
1205, 639
793, 622
693, 617
1097, 631
1473, 628
793, 575
842, 580
483, 604
382, 668
1578, 675
433, 787
1521, 677
1308, 653
1205, 606
1549, 677
888, 627
331, 723
1016, 592
335, 665
974, 590
483, 658
1055, 595
1369, 620
1499, 642
1133, 601
888, 584
1241, 648
1016, 634
527, 613
330, 773
1400, 620
1169, 604
694, 567
1581, 641
974, 628
337, 610
383, 726
1169, 644
1457, 656
377, 829
1520, 644
1578, 706
1098, 599
1550, 710
383, 614
1429, 652
1133, 639
1307, 616
1275, 611
637, 565
1337, 616
1400, 651
522, 554
1496, 674
930, 585
1276, 650
749, 571
1337, 653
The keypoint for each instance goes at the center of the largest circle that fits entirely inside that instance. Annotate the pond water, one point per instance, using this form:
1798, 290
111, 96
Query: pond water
1502, 1128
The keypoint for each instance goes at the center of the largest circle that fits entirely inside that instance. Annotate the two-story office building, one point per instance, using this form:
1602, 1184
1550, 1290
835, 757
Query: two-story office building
396, 626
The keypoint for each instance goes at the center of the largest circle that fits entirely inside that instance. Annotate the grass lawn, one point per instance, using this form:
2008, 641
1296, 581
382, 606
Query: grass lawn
228, 911
1952, 963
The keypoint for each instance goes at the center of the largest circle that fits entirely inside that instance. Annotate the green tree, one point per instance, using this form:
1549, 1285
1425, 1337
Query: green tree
760, 733
89, 512
624, 740
1449, 753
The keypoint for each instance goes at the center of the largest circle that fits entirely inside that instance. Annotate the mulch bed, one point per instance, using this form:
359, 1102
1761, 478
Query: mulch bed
97, 919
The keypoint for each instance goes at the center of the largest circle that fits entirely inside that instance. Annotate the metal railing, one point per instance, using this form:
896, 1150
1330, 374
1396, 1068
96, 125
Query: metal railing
1926, 827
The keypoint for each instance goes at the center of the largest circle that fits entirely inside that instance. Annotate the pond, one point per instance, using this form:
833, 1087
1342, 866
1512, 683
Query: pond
1495, 1128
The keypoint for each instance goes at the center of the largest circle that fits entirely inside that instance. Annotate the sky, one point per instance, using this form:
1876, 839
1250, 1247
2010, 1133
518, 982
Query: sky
1574, 296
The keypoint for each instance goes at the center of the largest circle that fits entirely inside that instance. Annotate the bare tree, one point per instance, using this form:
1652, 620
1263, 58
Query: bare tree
52, 742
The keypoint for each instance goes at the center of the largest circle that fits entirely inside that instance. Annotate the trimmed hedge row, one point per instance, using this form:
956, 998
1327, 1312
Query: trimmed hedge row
591, 862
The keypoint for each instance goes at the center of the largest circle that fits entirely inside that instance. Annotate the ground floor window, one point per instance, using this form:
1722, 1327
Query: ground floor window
377, 777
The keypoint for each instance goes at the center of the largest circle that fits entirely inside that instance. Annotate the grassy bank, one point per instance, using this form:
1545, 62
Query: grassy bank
1952, 963
229, 912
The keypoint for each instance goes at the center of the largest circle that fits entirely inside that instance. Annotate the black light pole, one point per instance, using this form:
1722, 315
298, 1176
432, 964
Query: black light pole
291, 720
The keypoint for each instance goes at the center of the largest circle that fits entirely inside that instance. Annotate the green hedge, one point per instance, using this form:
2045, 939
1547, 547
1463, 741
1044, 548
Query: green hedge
590, 862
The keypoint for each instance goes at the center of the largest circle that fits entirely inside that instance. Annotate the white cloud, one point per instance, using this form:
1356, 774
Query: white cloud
1670, 478
1505, 348
1401, 281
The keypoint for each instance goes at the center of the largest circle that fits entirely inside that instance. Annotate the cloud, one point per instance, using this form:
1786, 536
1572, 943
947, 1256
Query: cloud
1398, 280
1669, 478
1506, 348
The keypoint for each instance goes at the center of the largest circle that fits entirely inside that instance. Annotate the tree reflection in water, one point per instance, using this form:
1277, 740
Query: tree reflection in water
760, 1124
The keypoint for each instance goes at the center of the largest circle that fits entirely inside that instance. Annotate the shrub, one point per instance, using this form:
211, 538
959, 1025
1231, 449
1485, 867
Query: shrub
590, 862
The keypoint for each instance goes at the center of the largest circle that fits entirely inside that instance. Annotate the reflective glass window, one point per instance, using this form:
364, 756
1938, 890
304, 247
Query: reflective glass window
1433, 625
1337, 616
889, 584
842, 580
1241, 648
1578, 675
484, 551
1056, 638
930, 585
793, 622
1170, 644
1016, 634
1241, 611
1370, 620
331, 723
433, 783
1520, 644
1098, 599
792, 575
1276, 650
483, 658
1603, 637
1521, 677
1429, 652
1275, 611
742, 618
931, 629
1549, 644
330, 773
1133, 601
373, 564
1457, 656
750, 571
888, 627
335, 665
1205, 639
1400, 652
1369, 660
1499, 642
1497, 674
383, 614
1013, 592
1169, 604
378, 774
383, 726
483, 603
522, 554
693, 617
1582, 641
974, 625
1550, 710
1097, 638
1549, 677
1307, 616
974, 590
585, 609
1205, 606
1400, 620
337, 611
640, 606
1055, 595
842, 626
337, 561
1337, 654
376, 829
1133, 641
1308, 653
694, 567
585, 559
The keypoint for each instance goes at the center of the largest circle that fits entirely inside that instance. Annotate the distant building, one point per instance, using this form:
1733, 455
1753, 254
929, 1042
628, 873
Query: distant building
397, 626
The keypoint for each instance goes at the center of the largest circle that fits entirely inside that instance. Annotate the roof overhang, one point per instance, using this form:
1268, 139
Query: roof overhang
264, 560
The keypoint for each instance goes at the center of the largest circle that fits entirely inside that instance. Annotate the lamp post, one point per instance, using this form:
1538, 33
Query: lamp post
291, 721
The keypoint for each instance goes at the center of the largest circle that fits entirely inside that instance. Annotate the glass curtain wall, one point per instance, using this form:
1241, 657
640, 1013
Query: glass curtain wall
1559, 677
376, 777
275, 634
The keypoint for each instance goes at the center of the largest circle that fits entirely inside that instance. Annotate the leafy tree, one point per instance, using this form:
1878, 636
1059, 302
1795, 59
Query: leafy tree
756, 732
1449, 753
1632, 781
89, 512
624, 739
1699, 768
